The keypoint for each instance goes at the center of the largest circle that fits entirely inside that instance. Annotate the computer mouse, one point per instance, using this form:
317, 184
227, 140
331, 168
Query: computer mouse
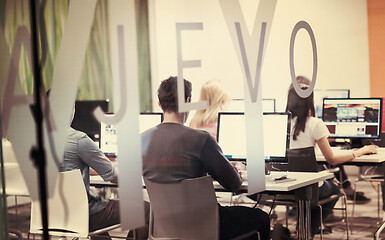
371, 153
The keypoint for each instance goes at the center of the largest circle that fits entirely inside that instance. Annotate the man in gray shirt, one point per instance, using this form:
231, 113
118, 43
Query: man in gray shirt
80, 152
173, 152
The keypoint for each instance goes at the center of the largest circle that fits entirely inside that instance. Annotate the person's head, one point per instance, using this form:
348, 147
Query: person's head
300, 107
302, 80
213, 92
168, 94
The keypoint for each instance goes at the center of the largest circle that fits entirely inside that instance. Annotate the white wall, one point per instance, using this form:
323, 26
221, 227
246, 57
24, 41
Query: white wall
340, 29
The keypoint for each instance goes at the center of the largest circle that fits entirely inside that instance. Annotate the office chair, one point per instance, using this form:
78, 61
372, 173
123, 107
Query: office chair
15, 185
304, 160
184, 210
67, 209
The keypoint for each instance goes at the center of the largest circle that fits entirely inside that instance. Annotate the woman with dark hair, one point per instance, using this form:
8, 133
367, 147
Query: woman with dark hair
307, 131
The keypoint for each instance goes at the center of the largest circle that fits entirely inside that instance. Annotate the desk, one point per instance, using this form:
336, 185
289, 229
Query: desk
299, 183
97, 181
302, 179
301, 187
364, 160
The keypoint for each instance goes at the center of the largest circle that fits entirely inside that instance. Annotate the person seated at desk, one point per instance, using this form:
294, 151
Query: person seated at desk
173, 152
80, 152
341, 175
307, 131
217, 98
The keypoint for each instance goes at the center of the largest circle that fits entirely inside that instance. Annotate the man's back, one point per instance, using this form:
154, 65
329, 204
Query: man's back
172, 152
80, 152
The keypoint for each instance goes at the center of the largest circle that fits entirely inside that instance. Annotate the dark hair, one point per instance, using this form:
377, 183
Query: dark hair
168, 94
300, 107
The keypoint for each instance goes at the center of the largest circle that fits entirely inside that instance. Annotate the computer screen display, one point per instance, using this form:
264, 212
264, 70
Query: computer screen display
149, 120
84, 119
276, 136
320, 94
238, 105
109, 138
353, 117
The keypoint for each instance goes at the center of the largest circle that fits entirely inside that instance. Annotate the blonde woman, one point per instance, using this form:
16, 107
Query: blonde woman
213, 92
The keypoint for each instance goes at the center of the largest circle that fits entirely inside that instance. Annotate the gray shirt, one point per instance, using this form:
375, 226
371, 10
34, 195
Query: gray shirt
80, 152
173, 152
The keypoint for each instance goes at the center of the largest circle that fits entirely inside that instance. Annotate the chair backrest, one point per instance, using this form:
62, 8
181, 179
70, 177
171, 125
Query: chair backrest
14, 180
67, 208
299, 160
302, 160
184, 210
9, 154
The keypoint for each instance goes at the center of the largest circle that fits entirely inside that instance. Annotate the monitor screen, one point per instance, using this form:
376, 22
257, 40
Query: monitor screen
149, 120
238, 105
84, 119
320, 94
276, 136
108, 136
353, 117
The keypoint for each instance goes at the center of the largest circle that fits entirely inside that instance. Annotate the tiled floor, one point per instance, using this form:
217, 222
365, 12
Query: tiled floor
363, 225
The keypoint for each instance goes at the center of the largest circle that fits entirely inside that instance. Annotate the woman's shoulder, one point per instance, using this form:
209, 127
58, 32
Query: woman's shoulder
210, 128
314, 120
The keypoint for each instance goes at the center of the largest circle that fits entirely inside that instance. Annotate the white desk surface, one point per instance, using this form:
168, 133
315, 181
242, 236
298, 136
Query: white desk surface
98, 180
295, 180
379, 157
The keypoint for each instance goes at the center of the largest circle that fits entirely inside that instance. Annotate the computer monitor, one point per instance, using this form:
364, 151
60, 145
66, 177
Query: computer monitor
355, 118
238, 105
231, 136
84, 119
320, 94
268, 105
108, 136
149, 120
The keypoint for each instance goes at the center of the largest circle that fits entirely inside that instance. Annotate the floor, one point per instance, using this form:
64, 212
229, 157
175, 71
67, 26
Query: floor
363, 226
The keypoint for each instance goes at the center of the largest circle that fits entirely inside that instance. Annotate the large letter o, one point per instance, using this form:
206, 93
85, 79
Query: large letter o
297, 27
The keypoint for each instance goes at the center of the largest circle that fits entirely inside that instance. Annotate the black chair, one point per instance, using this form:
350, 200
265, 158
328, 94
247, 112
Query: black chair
304, 160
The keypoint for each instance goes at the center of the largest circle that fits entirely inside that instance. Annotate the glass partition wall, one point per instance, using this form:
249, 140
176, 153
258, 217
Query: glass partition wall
3, 203
95, 81
212, 46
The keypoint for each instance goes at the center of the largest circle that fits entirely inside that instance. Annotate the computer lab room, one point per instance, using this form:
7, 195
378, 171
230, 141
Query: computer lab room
198, 120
